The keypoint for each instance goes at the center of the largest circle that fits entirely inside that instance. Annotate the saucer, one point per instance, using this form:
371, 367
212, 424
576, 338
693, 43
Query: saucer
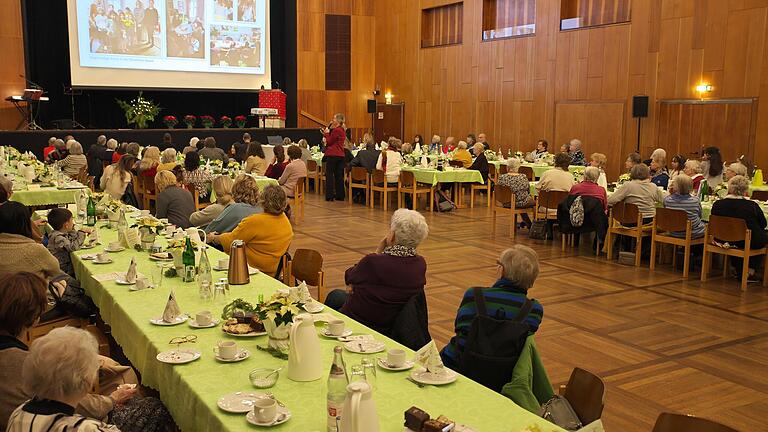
242, 355
108, 261
239, 402
120, 249
156, 257
159, 321
121, 281
382, 362
179, 356
136, 288
283, 414
193, 323
251, 271
365, 346
325, 332
423, 376
314, 306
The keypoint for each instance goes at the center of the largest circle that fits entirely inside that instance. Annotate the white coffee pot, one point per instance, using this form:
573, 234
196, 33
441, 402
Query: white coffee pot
304, 363
359, 411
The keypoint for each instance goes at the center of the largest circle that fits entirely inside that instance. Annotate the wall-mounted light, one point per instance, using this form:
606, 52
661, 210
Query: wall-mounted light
388, 98
703, 89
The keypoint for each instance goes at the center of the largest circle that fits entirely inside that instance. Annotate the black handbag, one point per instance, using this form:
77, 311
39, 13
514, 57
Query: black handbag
73, 301
538, 230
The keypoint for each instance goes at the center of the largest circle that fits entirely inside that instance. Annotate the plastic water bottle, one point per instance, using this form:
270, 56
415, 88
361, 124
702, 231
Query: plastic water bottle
337, 388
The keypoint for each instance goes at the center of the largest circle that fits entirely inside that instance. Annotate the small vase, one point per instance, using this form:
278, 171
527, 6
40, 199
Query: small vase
147, 238
279, 336
190, 125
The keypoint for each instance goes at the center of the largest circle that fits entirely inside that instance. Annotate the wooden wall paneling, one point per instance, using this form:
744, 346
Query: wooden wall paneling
596, 12
12, 47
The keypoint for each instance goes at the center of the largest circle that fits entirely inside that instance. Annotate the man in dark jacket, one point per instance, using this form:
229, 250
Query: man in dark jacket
366, 158
481, 162
97, 155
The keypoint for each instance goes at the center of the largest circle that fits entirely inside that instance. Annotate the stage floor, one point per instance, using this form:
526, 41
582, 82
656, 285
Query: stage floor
37, 140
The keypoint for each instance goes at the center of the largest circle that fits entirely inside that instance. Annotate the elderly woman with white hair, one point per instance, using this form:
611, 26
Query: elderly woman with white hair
390, 161
639, 191
192, 145
659, 173
59, 153
462, 154
735, 169
737, 205
577, 155
434, 145
692, 169
516, 271
167, 160
680, 198
75, 160
384, 281
520, 187
589, 187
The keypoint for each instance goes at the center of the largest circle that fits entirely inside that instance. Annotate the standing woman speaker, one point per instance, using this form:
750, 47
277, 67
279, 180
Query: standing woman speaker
333, 159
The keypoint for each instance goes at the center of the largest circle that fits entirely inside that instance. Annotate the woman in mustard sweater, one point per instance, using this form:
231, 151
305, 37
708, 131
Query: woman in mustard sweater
266, 235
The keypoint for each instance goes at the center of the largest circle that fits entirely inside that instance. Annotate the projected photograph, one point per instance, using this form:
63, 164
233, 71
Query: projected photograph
124, 27
223, 10
247, 10
235, 46
186, 28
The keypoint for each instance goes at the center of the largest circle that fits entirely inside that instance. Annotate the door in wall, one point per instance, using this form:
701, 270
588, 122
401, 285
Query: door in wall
389, 120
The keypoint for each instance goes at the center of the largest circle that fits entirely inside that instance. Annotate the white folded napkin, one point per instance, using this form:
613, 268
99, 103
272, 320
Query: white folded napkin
172, 310
130, 275
429, 357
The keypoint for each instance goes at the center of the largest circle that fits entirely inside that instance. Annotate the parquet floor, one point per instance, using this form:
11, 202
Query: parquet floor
659, 342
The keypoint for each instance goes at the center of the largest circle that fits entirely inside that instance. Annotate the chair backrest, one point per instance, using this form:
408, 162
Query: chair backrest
671, 219
147, 184
306, 265
359, 174
503, 169
585, 392
411, 327
82, 175
669, 422
456, 164
528, 171
550, 199
407, 179
625, 212
760, 195
379, 176
727, 228
311, 165
298, 190
492, 171
503, 194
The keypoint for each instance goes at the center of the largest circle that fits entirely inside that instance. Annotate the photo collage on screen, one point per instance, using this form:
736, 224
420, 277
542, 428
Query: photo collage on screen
236, 40
125, 27
186, 28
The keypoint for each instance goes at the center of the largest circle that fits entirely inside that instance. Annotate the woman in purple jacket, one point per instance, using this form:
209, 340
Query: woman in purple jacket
383, 282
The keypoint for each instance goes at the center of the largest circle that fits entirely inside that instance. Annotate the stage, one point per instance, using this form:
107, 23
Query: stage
36, 140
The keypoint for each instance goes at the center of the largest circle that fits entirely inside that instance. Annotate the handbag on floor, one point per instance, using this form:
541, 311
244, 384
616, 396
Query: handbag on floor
538, 230
560, 412
442, 202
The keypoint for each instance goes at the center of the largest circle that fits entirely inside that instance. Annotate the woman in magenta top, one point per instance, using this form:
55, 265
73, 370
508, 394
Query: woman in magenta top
589, 187
333, 160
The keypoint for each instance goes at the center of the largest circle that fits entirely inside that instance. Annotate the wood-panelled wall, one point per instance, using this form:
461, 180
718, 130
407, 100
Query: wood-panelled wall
442, 25
312, 94
511, 88
12, 65
499, 14
597, 12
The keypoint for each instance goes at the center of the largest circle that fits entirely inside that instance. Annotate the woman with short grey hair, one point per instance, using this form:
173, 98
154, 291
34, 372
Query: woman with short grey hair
75, 160
735, 169
680, 198
639, 191
520, 187
384, 281
589, 187
692, 169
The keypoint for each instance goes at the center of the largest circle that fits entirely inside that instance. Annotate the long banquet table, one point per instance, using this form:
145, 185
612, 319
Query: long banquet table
190, 391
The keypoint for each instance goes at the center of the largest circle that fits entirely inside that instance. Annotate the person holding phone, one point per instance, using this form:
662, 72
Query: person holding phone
333, 159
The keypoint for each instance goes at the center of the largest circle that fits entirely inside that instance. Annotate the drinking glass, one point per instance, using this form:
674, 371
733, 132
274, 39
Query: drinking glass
370, 371
357, 374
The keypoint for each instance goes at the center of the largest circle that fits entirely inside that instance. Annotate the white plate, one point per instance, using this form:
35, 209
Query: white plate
326, 333
251, 271
280, 411
95, 261
136, 288
251, 334
154, 258
159, 321
314, 306
121, 281
369, 346
242, 355
180, 356
89, 246
120, 249
422, 376
193, 323
239, 402
382, 362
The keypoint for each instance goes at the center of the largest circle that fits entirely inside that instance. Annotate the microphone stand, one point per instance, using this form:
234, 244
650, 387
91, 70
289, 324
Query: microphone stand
32, 125
72, 92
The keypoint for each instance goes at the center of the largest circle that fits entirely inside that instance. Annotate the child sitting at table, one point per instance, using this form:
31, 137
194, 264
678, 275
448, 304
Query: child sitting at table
65, 238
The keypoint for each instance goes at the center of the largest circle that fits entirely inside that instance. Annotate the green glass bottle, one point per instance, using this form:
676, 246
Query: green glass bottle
188, 259
91, 212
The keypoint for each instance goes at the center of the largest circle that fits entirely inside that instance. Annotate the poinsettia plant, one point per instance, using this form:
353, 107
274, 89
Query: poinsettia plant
225, 121
241, 120
280, 308
170, 121
190, 121
207, 121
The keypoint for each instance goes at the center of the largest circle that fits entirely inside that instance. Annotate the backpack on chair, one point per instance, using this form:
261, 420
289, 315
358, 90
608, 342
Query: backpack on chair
494, 344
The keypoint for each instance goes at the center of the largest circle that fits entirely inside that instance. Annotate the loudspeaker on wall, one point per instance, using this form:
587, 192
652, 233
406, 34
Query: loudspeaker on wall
639, 106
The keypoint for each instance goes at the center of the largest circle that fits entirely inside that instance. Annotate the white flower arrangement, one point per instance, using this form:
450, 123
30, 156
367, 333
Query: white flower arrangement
314, 149
623, 178
578, 174
491, 156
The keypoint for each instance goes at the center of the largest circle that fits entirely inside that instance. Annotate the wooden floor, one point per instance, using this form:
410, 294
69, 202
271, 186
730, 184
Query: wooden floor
660, 343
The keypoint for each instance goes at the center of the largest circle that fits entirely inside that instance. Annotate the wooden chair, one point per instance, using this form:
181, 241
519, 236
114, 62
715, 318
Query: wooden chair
503, 195
475, 187
585, 392
82, 175
528, 171
313, 173
548, 200
665, 222
298, 201
728, 229
379, 184
621, 215
669, 422
456, 164
760, 195
148, 192
307, 266
43, 328
137, 190
196, 197
503, 169
359, 179
409, 186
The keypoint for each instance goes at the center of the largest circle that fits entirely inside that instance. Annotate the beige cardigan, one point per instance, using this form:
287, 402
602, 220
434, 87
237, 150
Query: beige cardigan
24, 254
255, 165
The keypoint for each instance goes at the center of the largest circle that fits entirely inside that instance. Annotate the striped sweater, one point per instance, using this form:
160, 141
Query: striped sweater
39, 415
503, 299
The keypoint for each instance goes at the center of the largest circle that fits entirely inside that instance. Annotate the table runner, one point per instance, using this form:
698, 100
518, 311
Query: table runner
190, 391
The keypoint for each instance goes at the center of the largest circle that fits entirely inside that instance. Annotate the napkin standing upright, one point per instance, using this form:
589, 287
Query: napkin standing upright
172, 310
130, 275
429, 357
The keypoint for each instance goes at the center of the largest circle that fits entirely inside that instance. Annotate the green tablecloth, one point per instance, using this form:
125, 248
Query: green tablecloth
538, 168
47, 196
190, 391
433, 176
706, 210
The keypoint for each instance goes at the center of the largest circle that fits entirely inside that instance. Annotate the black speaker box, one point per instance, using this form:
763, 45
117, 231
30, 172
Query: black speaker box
640, 106
371, 106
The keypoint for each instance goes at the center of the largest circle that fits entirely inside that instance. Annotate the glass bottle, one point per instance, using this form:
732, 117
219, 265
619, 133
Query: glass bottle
122, 222
204, 278
91, 212
337, 389
188, 259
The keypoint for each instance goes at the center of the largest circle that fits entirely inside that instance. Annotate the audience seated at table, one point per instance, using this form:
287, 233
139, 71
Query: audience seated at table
632, 160
418, 139
657, 153
192, 145
639, 191
676, 166
599, 161
305, 153
481, 162
150, 161
239, 149
712, 166
588, 187
406, 149
266, 235
256, 163
520, 187
539, 152
117, 177
471, 140
222, 186
734, 169
167, 160
450, 145
680, 198
738, 205
294, 172
174, 201
482, 139
59, 152
211, 152
692, 169
559, 178
75, 160
368, 156
167, 141
383, 282
98, 154
65, 239
658, 169
196, 176
279, 161
49, 148
19, 250
390, 161
577, 155
516, 270
462, 154
245, 194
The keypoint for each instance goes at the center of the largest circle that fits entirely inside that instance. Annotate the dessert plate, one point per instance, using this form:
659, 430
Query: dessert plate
193, 323
325, 332
242, 355
425, 377
179, 356
159, 321
365, 346
384, 365
283, 415
239, 402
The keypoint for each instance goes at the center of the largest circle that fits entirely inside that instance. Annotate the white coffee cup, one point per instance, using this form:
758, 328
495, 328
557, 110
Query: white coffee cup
336, 327
203, 318
226, 350
265, 410
102, 257
115, 245
224, 263
396, 357
142, 283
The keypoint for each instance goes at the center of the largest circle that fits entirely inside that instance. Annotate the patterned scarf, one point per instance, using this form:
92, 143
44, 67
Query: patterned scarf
400, 251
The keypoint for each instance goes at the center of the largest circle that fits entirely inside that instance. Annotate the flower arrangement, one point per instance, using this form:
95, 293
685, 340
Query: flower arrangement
490, 155
13, 153
225, 121
233, 165
190, 121
280, 308
241, 120
623, 178
314, 149
519, 154
207, 121
549, 159
721, 190
179, 244
170, 121
139, 111
578, 173
149, 224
